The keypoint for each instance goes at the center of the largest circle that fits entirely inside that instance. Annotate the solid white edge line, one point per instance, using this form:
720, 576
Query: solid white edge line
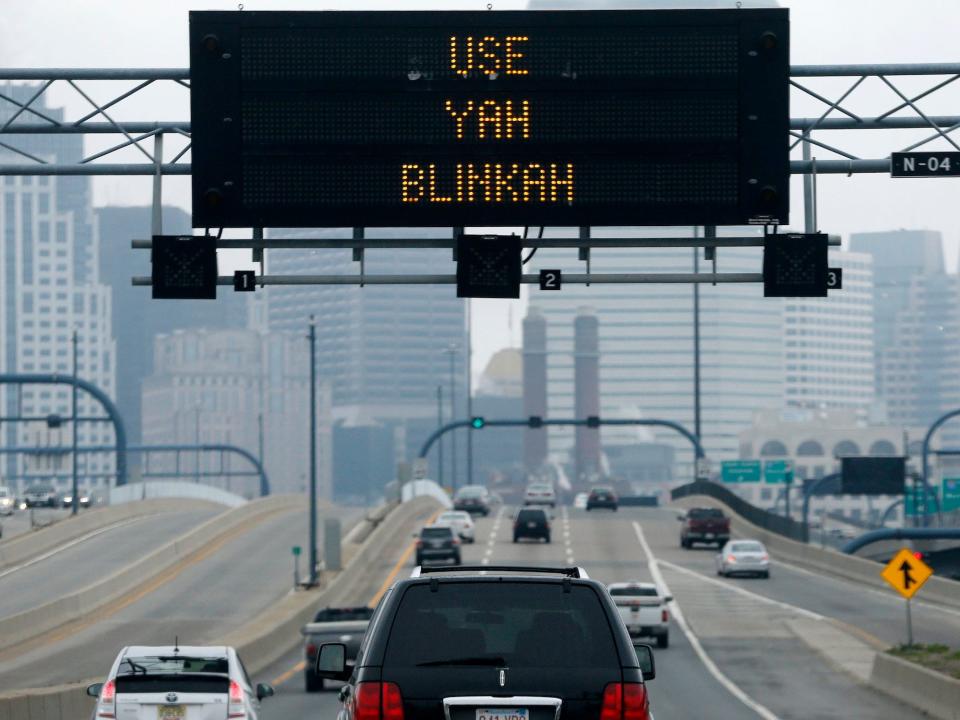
66, 546
809, 614
711, 667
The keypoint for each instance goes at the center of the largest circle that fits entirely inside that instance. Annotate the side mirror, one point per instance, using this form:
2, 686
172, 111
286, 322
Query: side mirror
645, 658
332, 662
264, 691
681, 518
94, 690
668, 598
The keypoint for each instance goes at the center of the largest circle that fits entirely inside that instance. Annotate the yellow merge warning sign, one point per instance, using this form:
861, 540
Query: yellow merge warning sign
906, 573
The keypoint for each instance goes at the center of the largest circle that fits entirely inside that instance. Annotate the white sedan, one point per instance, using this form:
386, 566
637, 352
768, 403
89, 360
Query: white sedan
461, 523
743, 557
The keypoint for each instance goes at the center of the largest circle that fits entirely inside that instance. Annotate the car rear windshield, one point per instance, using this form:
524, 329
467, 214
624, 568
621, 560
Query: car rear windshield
706, 514
634, 591
747, 547
338, 614
531, 515
40, 489
471, 493
181, 673
502, 624
436, 532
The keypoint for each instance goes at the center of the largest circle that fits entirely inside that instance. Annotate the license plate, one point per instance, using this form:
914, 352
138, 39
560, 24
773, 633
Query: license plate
531, 524
709, 535
437, 544
503, 714
171, 712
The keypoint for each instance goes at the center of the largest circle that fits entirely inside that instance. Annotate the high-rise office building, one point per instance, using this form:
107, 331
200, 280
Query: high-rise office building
384, 349
137, 318
828, 342
647, 343
49, 289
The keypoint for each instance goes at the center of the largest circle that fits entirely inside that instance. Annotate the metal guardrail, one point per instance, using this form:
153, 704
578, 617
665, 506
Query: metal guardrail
768, 521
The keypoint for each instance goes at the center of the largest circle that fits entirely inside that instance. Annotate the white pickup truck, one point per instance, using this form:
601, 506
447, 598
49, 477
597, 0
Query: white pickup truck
643, 610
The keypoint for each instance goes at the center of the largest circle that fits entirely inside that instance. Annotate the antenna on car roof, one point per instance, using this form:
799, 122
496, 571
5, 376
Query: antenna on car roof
176, 644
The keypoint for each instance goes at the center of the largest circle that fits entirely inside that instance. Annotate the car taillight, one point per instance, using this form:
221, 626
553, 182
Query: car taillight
311, 649
456, 541
236, 707
108, 700
664, 615
419, 543
625, 701
731, 559
378, 701
764, 557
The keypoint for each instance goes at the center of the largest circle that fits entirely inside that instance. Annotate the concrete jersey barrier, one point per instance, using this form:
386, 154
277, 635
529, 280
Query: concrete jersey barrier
25, 547
24, 626
261, 641
936, 590
938, 695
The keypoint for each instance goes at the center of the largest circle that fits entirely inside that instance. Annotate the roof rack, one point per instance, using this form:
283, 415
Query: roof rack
572, 572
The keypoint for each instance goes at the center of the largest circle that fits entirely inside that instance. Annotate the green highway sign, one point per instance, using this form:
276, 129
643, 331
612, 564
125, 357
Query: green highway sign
778, 472
951, 494
296, 550
916, 500
740, 471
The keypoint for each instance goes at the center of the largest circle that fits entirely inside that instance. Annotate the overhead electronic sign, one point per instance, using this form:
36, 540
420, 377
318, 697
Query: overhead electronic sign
640, 117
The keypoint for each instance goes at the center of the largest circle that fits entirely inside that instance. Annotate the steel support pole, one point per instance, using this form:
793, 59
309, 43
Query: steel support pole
156, 225
313, 452
469, 394
909, 625
440, 425
452, 351
809, 191
75, 500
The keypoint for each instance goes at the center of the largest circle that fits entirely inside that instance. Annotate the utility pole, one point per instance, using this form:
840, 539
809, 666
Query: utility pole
469, 394
440, 425
313, 453
75, 504
196, 441
451, 351
696, 340
260, 437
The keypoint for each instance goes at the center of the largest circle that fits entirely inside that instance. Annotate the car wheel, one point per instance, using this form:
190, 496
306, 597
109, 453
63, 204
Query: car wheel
663, 640
765, 574
516, 539
419, 560
312, 683
547, 538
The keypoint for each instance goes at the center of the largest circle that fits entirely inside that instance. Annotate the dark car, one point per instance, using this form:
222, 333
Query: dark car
332, 624
474, 499
539, 645
704, 525
438, 543
602, 497
531, 523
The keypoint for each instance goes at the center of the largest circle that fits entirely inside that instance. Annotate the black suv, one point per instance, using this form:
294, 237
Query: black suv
438, 543
531, 523
540, 644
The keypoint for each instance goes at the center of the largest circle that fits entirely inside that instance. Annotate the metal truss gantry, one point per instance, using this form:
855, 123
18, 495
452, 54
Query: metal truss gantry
147, 139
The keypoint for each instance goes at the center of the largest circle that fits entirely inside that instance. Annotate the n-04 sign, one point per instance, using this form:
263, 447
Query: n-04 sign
925, 164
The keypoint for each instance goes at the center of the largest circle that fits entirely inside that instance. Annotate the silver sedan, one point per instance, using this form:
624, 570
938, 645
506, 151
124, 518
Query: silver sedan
743, 557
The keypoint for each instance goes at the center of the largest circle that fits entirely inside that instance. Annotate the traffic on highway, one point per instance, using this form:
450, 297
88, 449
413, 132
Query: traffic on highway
468, 360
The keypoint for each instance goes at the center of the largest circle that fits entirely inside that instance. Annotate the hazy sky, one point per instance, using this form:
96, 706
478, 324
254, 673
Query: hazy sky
153, 33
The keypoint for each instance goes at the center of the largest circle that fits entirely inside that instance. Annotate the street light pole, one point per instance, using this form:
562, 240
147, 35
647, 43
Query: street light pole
440, 425
313, 452
196, 441
452, 352
75, 504
469, 394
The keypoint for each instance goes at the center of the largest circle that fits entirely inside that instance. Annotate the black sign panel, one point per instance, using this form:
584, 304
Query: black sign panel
184, 268
244, 280
638, 117
795, 265
551, 279
925, 164
488, 266
834, 278
872, 475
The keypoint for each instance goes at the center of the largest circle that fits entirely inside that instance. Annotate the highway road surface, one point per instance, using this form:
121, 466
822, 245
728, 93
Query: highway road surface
202, 601
741, 659
80, 564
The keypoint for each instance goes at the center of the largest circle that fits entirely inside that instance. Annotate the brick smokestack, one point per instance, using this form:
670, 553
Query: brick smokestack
586, 374
534, 387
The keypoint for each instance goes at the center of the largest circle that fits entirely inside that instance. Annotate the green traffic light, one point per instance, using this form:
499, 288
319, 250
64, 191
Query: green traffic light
478, 423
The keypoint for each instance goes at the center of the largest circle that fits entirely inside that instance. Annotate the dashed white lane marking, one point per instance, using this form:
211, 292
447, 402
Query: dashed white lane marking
809, 614
567, 542
68, 545
492, 540
731, 687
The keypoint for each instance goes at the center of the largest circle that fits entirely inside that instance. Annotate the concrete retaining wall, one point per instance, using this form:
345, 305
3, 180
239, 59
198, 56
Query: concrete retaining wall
15, 629
935, 693
936, 590
262, 640
27, 546
174, 489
